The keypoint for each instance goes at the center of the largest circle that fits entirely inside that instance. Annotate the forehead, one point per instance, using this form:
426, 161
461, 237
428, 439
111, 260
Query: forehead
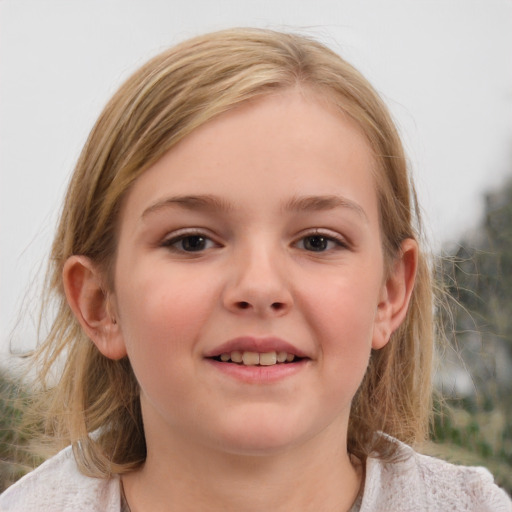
293, 142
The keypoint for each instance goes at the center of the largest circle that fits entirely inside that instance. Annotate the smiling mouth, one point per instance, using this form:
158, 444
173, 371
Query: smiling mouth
248, 358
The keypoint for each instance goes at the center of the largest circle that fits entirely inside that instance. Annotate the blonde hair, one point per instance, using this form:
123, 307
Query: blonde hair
161, 103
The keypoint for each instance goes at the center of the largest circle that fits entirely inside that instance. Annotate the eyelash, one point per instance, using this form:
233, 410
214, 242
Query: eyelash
183, 235
339, 241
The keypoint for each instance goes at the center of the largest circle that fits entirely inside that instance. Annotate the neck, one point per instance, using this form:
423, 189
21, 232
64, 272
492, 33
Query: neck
318, 475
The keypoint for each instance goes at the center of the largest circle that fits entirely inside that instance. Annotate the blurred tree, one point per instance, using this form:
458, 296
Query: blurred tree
479, 279
476, 371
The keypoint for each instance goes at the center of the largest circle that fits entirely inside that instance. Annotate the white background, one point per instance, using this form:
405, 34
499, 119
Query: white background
443, 66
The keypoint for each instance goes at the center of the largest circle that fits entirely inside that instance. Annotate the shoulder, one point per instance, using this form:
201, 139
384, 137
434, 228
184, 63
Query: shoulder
420, 483
58, 485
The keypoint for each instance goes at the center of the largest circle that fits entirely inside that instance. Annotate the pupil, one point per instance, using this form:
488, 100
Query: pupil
315, 243
193, 243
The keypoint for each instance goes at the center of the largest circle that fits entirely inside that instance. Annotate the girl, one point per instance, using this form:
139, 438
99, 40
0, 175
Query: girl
243, 306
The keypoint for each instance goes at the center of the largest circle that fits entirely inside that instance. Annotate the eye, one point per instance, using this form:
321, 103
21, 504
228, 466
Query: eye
189, 243
320, 243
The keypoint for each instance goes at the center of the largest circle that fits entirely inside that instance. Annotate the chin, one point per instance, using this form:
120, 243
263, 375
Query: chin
261, 440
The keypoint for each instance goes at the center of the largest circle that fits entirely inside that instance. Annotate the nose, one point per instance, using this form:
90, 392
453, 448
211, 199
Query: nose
258, 284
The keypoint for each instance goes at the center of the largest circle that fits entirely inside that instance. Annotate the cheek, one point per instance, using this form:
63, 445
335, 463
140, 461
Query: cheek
161, 315
343, 317
162, 318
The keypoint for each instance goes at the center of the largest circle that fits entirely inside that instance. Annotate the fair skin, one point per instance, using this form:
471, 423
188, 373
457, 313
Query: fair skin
257, 234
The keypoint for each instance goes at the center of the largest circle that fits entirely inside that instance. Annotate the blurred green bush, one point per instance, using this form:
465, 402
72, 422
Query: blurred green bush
465, 434
16, 458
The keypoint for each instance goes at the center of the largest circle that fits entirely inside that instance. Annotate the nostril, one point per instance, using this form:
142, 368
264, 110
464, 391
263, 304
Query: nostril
274, 306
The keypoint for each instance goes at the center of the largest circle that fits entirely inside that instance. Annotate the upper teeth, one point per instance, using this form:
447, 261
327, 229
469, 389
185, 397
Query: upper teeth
254, 358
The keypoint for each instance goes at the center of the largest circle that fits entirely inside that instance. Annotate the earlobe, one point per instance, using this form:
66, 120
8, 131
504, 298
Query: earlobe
396, 294
92, 306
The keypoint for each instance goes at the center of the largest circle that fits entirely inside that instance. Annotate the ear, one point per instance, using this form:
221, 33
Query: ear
396, 293
91, 305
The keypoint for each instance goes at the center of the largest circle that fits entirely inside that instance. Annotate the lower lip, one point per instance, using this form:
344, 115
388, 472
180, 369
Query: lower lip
259, 374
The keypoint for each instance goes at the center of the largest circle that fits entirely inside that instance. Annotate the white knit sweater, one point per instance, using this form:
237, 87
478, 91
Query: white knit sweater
415, 484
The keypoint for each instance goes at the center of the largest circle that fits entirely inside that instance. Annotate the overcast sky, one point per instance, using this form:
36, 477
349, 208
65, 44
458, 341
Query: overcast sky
443, 66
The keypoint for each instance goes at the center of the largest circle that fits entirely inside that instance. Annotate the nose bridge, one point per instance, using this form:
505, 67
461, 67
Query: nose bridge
258, 278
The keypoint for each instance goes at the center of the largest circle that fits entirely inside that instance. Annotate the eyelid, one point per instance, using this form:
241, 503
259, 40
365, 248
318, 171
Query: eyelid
342, 241
175, 236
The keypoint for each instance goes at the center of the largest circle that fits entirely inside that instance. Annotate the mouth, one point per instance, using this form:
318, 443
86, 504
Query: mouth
251, 358
249, 351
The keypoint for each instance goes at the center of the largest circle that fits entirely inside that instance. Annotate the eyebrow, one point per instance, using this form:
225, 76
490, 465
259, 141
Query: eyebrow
323, 203
296, 204
191, 202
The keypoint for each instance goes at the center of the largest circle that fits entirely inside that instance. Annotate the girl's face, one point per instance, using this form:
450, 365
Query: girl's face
255, 239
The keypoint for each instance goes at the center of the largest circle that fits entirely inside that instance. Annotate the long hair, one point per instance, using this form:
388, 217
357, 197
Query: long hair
164, 101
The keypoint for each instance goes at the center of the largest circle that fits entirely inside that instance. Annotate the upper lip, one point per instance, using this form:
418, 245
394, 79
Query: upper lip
255, 344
